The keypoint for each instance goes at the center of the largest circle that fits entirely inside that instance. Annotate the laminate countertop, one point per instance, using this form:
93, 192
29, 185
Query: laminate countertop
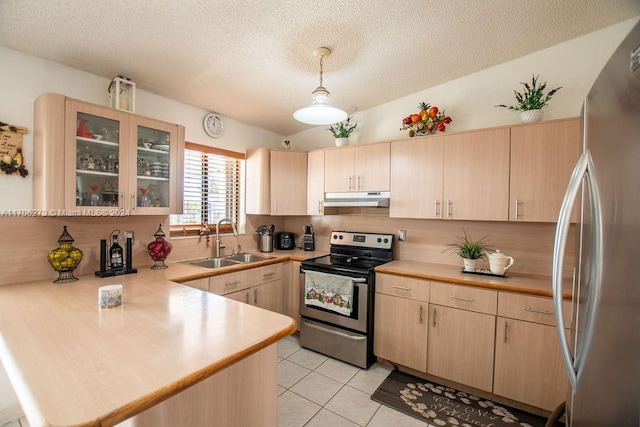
514, 282
72, 363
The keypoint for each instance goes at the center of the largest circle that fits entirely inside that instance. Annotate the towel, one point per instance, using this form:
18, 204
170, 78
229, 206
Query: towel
329, 291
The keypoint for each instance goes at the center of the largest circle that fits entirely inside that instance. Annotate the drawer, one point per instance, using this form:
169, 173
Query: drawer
531, 308
268, 273
405, 287
464, 297
231, 282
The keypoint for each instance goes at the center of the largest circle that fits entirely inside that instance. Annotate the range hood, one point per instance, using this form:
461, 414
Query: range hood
377, 199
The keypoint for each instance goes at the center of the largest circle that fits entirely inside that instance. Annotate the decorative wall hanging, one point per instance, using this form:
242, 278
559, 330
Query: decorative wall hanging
11, 157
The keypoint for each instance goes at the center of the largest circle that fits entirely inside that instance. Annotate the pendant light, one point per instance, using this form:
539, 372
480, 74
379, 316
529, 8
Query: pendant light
320, 113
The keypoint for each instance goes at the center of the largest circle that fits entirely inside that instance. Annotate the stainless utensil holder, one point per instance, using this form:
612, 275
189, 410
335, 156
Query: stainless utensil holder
265, 243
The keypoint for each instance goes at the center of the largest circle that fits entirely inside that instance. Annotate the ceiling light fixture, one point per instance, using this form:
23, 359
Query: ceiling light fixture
320, 113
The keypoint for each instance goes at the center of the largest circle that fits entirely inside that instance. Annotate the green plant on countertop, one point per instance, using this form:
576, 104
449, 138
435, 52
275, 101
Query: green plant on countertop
343, 129
533, 97
467, 248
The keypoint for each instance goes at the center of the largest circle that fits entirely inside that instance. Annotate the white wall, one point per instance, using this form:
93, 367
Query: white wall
470, 100
25, 77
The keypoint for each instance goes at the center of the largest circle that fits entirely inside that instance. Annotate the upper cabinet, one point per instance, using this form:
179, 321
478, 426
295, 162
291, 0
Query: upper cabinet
357, 168
460, 176
315, 183
288, 183
276, 182
417, 169
542, 159
90, 156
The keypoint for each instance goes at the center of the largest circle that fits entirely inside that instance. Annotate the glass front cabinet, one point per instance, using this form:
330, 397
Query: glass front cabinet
91, 159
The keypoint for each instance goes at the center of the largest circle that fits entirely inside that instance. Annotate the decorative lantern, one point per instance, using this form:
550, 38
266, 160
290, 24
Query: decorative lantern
65, 259
159, 250
122, 94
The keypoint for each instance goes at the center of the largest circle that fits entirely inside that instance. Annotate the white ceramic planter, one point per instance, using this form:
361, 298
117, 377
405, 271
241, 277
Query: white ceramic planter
469, 264
531, 116
342, 141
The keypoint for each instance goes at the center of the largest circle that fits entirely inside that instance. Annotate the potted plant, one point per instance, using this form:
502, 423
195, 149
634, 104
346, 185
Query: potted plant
531, 101
469, 250
342, 130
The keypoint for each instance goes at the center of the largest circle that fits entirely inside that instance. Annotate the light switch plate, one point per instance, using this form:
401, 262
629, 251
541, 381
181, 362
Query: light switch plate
402, 235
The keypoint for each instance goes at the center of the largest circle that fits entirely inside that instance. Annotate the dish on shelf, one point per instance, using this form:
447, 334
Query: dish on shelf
161, 147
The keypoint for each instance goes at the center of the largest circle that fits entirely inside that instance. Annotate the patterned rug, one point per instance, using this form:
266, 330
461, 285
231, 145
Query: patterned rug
445, 406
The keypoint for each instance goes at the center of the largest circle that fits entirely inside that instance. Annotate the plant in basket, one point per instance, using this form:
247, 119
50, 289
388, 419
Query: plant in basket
427, 121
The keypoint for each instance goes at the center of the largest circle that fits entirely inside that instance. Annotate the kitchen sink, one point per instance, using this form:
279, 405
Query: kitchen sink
241, 258
244, 258
215, 263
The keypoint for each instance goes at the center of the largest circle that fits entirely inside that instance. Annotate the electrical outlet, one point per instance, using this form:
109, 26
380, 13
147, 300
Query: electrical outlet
128, 234
402, 235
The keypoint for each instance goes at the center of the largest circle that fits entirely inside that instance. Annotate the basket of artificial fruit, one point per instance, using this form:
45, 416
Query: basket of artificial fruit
427, 121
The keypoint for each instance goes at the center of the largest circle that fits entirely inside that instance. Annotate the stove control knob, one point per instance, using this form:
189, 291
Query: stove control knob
379, 240
386, 240
335, 236
341, 237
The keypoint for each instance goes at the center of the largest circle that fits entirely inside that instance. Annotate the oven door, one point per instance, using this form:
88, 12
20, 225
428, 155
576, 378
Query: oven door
357, 321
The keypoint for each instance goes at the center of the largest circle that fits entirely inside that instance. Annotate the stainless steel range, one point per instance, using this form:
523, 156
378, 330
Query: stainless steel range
338, 293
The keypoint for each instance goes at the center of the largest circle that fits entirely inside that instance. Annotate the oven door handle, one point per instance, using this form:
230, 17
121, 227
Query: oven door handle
340, 334
353, 279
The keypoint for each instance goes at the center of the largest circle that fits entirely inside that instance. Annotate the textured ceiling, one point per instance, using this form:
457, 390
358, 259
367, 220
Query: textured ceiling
253, 60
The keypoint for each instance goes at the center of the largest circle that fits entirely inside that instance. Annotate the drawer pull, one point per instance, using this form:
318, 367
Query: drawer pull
264, 276
421, 315
505, 332
255, 297
402, 288
232, 283
539, 311
465, 299
434, 317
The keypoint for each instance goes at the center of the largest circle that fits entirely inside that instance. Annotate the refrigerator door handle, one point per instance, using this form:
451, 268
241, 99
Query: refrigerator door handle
583, 170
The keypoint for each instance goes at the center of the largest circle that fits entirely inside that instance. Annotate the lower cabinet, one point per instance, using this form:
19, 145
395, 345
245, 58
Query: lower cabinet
297, 280
260, 286
528, 365
202, 284
400, 329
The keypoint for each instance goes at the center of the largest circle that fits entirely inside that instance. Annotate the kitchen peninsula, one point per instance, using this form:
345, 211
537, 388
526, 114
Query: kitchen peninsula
170, 355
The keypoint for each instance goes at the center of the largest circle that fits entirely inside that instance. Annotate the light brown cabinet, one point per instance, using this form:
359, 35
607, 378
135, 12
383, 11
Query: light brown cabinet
528, 364
357, 168
417, 169
276, 182
400, 327
260, 286
542, 158
460, 176
315, 183
297, 281
462, 325
90, 156
476, 175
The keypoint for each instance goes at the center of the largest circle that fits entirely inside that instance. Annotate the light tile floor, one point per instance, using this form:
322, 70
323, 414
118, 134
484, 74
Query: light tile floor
316, 391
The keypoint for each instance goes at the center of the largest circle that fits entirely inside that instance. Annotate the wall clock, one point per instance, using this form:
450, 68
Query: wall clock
213, 125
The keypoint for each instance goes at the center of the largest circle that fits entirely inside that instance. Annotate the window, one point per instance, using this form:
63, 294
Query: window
212, 187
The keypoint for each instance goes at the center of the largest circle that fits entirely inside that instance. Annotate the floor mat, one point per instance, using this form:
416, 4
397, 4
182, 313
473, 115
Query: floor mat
445, 406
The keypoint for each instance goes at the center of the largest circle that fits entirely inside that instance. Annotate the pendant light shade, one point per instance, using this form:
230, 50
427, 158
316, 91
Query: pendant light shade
320, 113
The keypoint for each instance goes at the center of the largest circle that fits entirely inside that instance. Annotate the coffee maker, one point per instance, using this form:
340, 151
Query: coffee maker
308, 241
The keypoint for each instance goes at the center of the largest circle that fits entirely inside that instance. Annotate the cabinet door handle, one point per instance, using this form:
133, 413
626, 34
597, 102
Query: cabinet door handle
246, 297
319, 206
232, 283
433, 322
122, 197
350, 180
267, 275
437, 205
421, 314
402, 288
465, 299
504, 336
517, 215
449, 208
133, 201
255, 297
539, 311
359, 177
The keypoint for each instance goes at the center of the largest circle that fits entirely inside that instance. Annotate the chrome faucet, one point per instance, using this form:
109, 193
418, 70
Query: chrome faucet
218, 245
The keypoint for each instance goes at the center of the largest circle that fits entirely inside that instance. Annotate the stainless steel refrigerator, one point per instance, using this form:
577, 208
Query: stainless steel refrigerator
602, 350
